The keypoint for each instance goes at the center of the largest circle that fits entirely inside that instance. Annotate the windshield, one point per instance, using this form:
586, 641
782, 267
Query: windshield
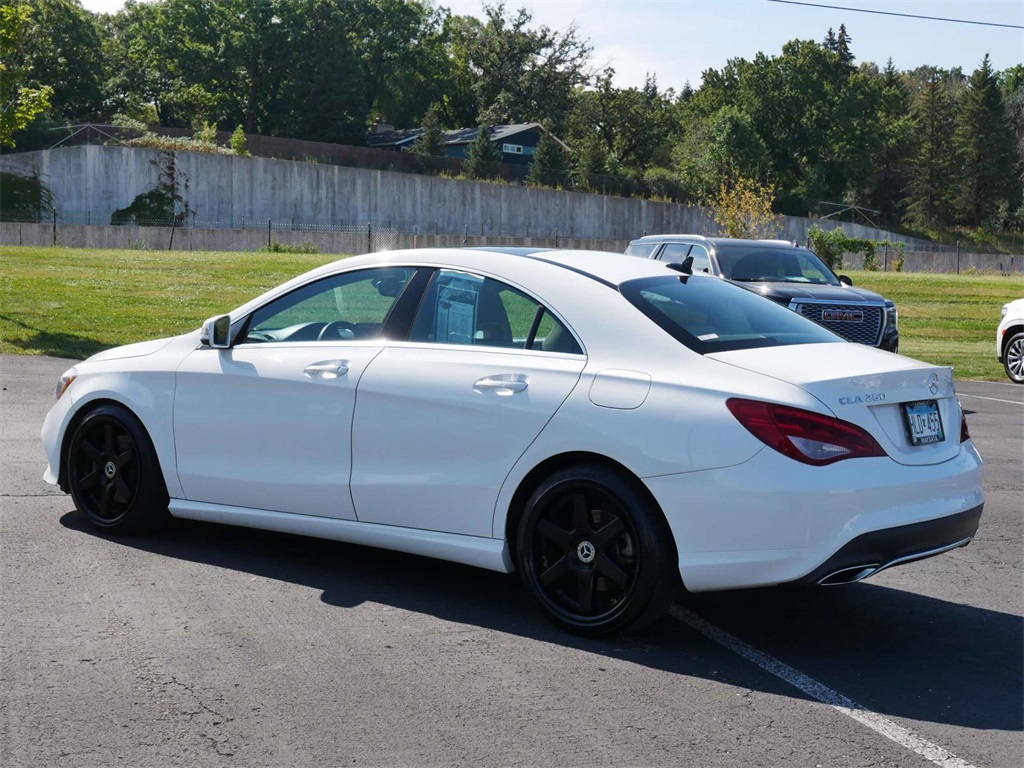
773, 263
710, 315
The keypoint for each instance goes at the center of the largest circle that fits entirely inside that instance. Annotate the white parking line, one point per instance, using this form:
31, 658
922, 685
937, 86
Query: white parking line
993, 399
822, 693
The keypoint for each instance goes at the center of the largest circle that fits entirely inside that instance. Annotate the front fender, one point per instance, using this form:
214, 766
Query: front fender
147, 394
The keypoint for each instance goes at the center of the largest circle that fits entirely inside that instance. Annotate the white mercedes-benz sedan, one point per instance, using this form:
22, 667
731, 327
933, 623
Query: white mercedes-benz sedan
602, 425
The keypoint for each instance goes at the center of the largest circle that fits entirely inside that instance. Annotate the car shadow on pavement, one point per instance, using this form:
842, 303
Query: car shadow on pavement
65, 345
895, 652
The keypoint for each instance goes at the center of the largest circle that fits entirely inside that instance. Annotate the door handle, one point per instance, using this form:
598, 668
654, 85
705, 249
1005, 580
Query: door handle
506, 384
328, 369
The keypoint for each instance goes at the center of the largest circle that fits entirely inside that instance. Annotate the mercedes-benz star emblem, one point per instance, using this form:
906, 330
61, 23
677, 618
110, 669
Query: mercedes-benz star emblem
586, 552
110, 470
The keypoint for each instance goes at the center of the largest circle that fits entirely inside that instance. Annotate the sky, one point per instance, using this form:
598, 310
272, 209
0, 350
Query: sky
677, 40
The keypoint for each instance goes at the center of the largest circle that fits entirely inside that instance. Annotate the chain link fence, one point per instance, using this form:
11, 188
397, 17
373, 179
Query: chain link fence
267, 235
291, 235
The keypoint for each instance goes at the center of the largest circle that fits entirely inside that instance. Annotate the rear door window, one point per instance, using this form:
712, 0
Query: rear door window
674, 253
462, 308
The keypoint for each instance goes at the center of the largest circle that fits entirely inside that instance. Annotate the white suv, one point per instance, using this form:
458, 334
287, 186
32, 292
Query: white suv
1010, 340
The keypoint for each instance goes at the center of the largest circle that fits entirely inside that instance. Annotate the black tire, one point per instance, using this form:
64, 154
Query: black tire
113, 473
595, 552
1013, 358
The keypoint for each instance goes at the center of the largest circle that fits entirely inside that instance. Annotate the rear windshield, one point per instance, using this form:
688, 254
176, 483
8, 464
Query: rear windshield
711, 315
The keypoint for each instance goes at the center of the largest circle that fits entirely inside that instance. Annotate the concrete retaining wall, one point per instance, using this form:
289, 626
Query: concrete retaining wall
225, 191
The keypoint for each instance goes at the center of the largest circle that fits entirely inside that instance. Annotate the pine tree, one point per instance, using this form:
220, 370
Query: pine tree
430, 143
484, 157
931, 171
887, 186
843, 41
830, 42
548, 168
984, 142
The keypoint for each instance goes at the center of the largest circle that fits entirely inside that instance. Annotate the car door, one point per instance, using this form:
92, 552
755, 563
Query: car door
266, 423
441, 418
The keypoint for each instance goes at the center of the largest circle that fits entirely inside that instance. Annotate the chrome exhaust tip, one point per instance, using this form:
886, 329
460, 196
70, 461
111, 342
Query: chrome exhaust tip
849, 575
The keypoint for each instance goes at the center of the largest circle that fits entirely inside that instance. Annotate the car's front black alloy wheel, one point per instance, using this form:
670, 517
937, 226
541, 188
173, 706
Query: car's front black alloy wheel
594, 552
1013, 358
112, 472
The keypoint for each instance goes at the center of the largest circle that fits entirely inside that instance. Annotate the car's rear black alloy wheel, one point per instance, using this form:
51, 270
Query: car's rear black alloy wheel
587, 552
111, 466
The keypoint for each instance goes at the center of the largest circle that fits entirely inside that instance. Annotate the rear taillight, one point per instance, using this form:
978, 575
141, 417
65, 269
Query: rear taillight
965, 435
803, 435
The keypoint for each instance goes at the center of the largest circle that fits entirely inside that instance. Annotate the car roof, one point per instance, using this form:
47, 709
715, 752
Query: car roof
533, 266
713, 240
603, 266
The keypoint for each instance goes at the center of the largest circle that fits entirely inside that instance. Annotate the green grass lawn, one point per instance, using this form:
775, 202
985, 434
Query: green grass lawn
75, 302
948, 319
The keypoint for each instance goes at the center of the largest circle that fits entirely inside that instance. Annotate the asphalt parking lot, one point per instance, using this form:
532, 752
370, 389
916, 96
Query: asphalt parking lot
212, 646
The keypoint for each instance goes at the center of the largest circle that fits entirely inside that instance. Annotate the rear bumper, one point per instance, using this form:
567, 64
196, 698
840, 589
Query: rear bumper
772, 520
872, 552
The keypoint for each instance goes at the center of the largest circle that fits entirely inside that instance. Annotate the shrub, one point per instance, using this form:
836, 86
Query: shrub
870, 257
237, 142
743, 208
306, 246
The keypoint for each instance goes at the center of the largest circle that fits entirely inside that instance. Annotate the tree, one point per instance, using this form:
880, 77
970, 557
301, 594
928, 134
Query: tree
840, 45
932, 166
524, 74
318, 95
237, 142
483, 159
20, 101
743, 208
432, 142
283, 67
62, 47
724, 145
401, 47
633, 126
816, 118
587, 163
887, 184
985, 143
457, 105
548, 168
166, 50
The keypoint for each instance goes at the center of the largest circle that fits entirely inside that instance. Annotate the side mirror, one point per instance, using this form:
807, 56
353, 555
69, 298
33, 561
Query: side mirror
845, 280
216, 332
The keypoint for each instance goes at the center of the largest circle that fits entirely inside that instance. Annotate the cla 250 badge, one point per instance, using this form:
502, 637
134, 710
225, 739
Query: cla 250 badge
874, 398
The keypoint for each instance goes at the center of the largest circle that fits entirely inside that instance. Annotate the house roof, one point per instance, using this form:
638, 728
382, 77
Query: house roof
393, 138
457, 136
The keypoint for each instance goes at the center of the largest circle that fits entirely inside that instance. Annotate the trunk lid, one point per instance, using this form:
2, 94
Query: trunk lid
867, 387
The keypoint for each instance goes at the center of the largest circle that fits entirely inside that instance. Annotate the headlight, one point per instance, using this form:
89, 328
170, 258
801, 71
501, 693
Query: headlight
1006, 308
892, 316
64, 382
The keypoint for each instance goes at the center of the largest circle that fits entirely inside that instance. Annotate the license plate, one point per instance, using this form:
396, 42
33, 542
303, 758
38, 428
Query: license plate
924, 425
